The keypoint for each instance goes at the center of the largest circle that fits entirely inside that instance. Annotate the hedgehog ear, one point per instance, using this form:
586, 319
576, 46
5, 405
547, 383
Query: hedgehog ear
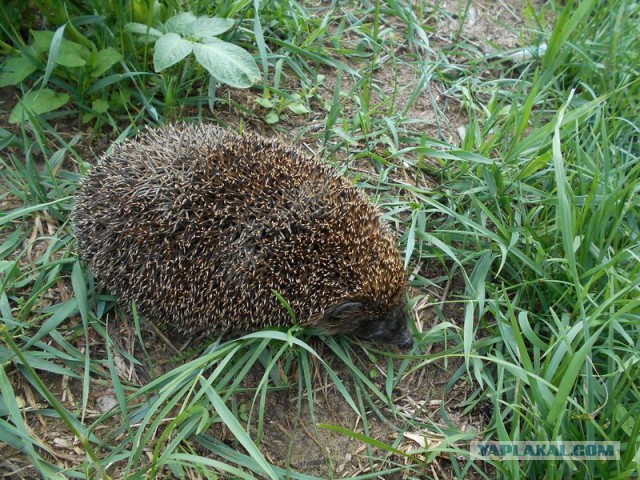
343, 311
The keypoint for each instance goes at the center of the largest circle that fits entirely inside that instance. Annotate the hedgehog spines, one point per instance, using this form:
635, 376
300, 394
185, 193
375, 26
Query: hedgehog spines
198, 225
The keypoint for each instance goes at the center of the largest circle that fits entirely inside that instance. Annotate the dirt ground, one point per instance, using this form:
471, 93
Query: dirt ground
291, 439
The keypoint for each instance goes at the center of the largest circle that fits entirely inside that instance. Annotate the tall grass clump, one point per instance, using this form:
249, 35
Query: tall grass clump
545, 228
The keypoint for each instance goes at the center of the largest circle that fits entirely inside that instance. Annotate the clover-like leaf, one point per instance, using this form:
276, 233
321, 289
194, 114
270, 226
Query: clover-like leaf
227, 62
169, 50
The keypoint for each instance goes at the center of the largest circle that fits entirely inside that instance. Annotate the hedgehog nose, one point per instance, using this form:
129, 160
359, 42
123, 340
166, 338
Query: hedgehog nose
406, 344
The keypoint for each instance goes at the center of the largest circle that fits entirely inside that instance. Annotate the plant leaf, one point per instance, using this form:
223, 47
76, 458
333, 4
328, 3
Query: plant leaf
15, 69
264, 102
272, 117
70, 54
54, 52
169, 50
298, 108
70, 58
100, 106
208, 26
37, 102
105, 59
180, 23
227, 62
142, 29
42, 39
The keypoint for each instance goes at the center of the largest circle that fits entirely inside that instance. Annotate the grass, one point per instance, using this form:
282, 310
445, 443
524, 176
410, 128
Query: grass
532, 228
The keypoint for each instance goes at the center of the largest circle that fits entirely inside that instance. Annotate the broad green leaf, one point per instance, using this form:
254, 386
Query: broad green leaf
272, 117
105, 59
37, 102
228, 63
15, 69
70, 54
42, 39
142, 29
265, 102
205, 27
87, 117
180, 23
169, 50
298, 108
70, 57
100, 106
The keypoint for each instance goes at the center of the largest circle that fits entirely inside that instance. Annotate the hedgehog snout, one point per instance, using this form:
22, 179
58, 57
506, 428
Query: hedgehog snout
393, 328
400, 333
406, 341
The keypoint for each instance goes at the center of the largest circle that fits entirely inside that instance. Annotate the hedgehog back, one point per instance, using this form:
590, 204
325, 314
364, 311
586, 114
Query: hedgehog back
199, 225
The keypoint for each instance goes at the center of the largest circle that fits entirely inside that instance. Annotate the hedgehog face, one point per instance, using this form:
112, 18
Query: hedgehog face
392, 328
355, 319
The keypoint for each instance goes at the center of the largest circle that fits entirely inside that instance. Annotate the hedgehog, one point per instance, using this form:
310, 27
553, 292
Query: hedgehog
211, 231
